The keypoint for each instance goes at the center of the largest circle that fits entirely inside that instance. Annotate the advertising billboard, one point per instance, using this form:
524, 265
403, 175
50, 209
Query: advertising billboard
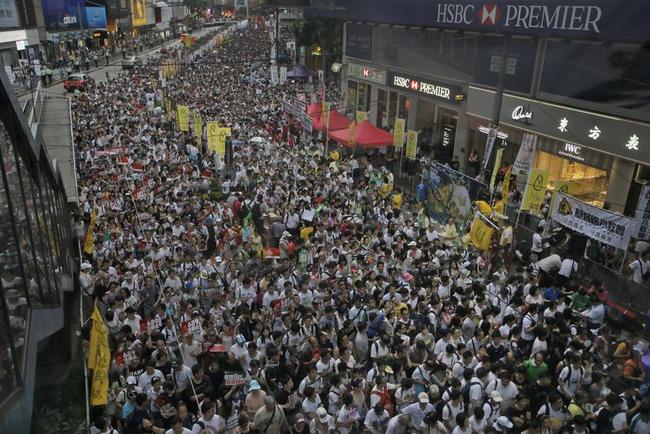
63, 15
95, 18
138, 13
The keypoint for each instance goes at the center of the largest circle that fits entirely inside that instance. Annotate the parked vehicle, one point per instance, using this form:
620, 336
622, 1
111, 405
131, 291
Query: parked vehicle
78, 81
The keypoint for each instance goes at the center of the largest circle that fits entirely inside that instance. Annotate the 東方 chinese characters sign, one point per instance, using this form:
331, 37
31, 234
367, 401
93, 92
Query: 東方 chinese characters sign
576, 130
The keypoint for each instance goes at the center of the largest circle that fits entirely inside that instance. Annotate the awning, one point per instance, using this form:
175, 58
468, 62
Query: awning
337, 121
363, 134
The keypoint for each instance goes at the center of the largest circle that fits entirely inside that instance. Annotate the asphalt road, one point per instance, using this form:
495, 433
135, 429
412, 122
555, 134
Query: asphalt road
115, 67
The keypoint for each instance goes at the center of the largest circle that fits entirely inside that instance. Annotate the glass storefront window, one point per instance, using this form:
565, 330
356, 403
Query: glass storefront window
382, 113
587, 183
39, 238
351, 98
44, 228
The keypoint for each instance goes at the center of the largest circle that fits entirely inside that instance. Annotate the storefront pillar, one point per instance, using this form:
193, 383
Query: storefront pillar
462, 137
412, 118
372, 116
620, 179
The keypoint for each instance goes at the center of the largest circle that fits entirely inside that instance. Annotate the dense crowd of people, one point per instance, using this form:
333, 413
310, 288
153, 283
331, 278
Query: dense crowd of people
296, 290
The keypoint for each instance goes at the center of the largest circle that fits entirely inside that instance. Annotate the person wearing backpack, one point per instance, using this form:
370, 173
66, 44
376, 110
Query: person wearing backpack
640, 268
570, 377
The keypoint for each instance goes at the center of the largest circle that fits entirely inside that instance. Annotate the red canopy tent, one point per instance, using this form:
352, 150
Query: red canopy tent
365, 134
337, 121
314, 109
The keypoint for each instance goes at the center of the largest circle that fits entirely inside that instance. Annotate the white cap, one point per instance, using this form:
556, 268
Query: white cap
423, 397
321, 413
495, 396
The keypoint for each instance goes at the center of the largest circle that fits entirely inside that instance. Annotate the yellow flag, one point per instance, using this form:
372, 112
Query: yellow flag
361, 116
99, 359
566, 187
212, 135
480, 234
411, 144
222, 135
535, 190
198, 127
89, 242
183, 113
398, 133
497, 166
506, 183
326, 115
353, 134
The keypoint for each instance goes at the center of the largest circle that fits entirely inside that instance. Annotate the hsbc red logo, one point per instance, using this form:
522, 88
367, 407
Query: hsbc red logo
415, 85
365, 72
489, 15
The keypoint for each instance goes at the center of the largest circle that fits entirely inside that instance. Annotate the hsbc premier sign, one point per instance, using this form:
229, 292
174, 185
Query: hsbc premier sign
516, 17
425, 87
603, 20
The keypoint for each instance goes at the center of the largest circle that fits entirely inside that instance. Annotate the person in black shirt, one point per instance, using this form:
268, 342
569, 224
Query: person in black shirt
605, 415
539, 391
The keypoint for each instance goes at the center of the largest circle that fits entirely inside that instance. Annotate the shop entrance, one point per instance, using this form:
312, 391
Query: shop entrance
587, 183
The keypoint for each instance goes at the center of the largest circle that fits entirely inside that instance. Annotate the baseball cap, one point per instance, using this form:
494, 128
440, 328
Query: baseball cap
131, 381
496, 396
423, 397
254, 385
321, 413
504, 421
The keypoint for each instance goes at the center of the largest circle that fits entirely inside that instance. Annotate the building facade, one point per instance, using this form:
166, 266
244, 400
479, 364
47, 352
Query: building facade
573, 83
39, 261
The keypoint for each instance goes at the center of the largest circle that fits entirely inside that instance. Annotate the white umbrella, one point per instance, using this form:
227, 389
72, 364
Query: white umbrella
258, 139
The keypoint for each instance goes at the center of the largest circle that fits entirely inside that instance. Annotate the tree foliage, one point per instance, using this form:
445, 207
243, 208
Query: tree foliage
324, 32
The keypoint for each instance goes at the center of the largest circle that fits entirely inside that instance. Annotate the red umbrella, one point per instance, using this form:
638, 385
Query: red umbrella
337, 122
364, 134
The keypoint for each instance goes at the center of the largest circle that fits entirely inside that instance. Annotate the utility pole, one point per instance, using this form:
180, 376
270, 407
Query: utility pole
496, 108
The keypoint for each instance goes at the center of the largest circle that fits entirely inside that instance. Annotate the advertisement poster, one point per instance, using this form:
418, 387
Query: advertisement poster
535, 190
138, 13
95, 18
598, 224
451, 194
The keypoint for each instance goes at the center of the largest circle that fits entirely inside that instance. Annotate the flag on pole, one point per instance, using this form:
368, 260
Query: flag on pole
411, 144
398, 133
89, 242
99, 359
198, 127
183, 113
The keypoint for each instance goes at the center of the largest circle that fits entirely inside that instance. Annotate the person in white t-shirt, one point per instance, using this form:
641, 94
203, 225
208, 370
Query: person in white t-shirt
639, 267
210, 421
177, 427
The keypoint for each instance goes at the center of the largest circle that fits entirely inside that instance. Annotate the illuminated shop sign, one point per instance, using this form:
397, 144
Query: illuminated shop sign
443, 91
367, 73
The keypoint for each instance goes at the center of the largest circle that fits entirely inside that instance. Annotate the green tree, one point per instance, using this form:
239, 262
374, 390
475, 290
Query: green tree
327, 33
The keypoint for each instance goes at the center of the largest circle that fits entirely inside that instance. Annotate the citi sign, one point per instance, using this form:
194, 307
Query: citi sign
578, 18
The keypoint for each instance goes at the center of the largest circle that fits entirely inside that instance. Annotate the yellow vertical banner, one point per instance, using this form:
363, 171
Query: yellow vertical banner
506, 183
566, 187
497, 166
183, 113
480, 234
411, 144
99, 359
398, 133
353, 134
535, 190
222, 135
198, 127
89, 241
361, 116
213, 135
325, 113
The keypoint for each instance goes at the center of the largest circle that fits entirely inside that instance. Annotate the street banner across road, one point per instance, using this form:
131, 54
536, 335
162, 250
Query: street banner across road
598, 224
